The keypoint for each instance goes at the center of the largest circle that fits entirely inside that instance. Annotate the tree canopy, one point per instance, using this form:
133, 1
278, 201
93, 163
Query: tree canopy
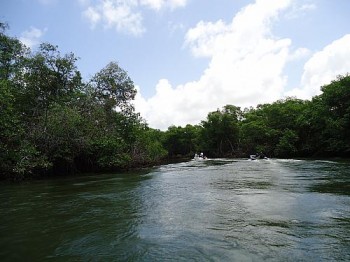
54, 122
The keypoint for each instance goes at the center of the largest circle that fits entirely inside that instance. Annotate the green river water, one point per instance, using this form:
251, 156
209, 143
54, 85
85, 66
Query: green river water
213, 210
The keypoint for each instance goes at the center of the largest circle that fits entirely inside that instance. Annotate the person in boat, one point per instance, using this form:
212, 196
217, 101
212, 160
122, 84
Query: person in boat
258, 156
200, 156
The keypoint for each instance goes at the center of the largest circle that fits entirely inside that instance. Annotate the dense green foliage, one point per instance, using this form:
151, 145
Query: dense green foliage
54, 122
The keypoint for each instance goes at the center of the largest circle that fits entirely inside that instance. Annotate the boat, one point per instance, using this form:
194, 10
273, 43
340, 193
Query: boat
199, 157
257, 156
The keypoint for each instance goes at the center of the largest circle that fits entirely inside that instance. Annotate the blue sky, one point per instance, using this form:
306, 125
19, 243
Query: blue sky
190, 57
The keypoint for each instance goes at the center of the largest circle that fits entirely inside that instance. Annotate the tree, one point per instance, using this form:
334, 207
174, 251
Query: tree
327, 119
256, 135
286, 146
49, 88
182, 141
46, 78
12, 53
271, 127
147, 147
220, 133
113, 88
18, 156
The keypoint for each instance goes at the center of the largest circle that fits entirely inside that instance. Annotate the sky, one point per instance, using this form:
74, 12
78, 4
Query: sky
191, 57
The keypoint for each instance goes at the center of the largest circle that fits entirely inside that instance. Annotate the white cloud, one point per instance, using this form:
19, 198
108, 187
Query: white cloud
300, 9
177, 3
299, 54
323, 67
121, 16
307, 7
159, 4
153, 4
31, 37
117, 14
202, 38
124, 16
92, 15
245, 68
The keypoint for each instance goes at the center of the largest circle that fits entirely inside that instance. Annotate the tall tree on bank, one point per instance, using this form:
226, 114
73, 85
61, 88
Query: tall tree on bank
15, 151
220, 133
113, 88
326, 121
336, 99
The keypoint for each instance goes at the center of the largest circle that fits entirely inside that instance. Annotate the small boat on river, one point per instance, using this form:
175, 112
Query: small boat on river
257, 156
199, 157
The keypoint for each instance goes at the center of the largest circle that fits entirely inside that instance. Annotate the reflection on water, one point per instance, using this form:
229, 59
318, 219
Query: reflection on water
215, 210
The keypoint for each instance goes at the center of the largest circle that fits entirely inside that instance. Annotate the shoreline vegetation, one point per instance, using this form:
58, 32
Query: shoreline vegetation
53, 122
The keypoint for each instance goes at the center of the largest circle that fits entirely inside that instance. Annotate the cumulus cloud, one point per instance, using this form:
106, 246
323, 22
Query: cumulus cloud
117, 14
31, 37
323, 67
246, 68
124, 16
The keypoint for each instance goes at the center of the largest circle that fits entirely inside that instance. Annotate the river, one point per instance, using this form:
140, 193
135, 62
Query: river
213, 210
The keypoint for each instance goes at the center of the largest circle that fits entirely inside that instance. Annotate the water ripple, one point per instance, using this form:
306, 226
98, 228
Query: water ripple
214, 210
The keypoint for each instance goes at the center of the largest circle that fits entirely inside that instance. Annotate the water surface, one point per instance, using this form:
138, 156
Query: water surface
214, 210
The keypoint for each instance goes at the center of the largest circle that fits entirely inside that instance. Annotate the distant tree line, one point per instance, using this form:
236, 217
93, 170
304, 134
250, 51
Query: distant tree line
286, 128
54, 122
